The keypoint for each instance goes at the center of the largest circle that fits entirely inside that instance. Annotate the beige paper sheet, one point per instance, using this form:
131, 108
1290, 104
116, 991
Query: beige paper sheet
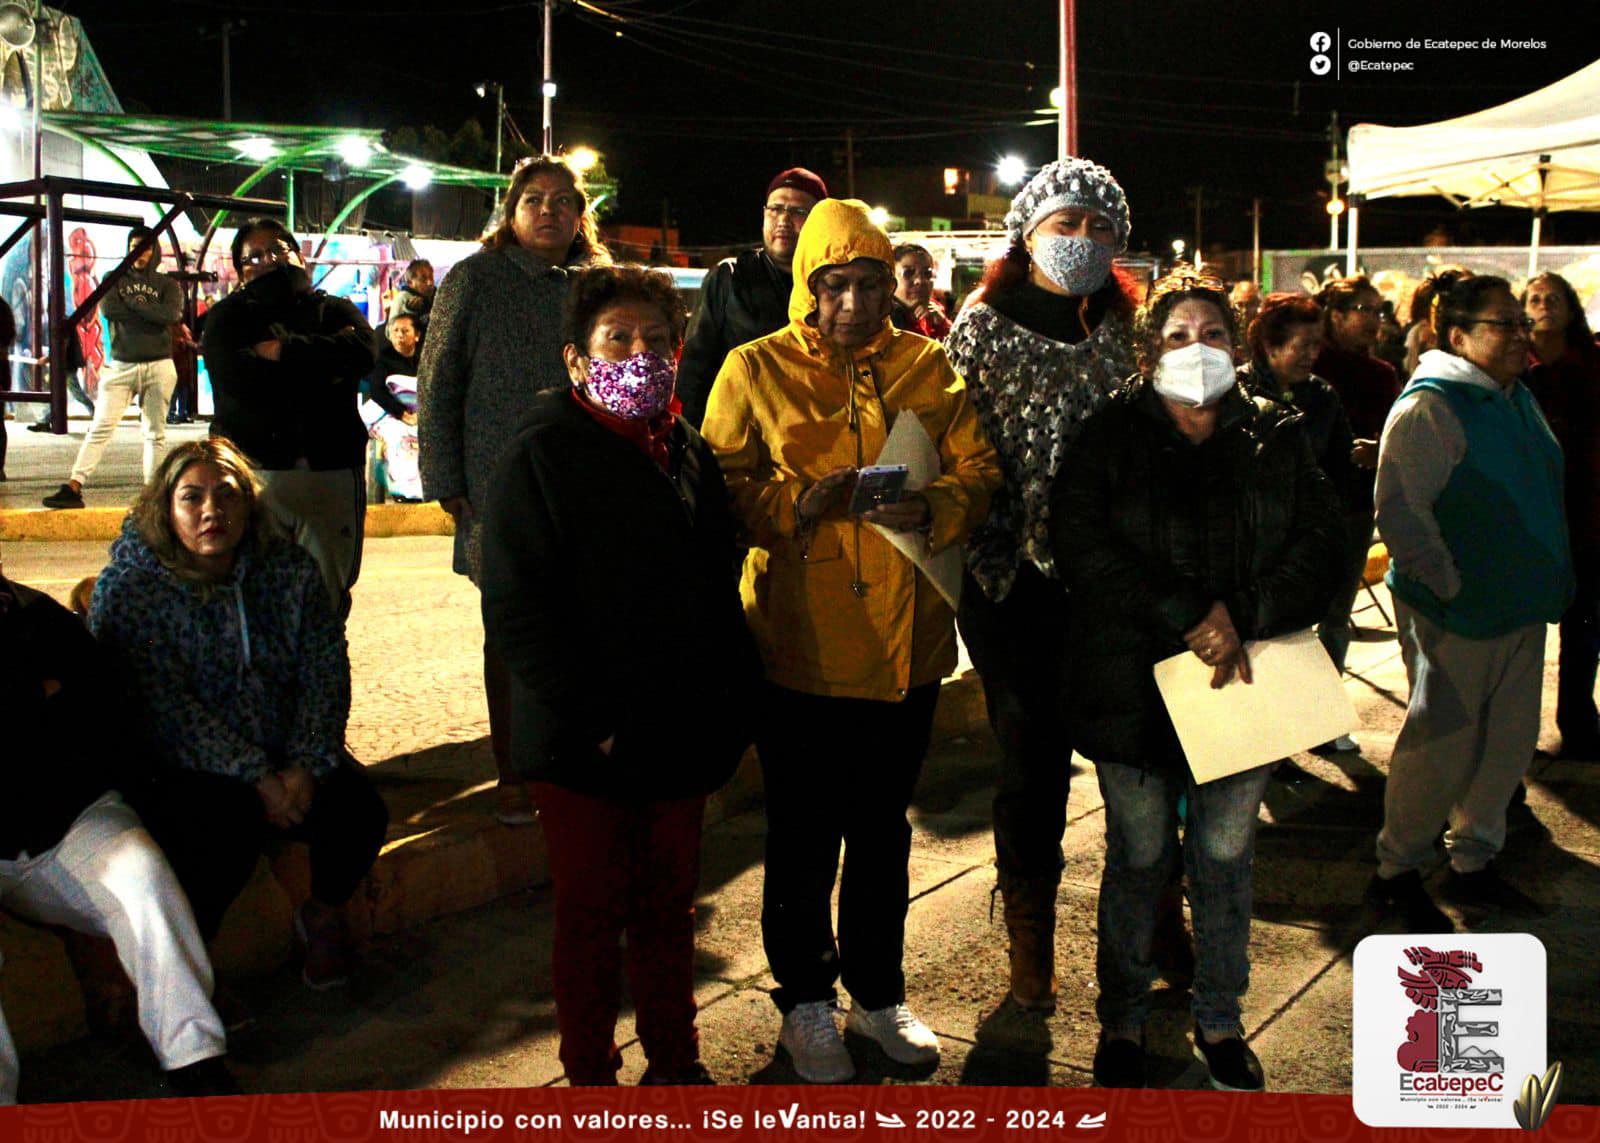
909, 444
1296, 702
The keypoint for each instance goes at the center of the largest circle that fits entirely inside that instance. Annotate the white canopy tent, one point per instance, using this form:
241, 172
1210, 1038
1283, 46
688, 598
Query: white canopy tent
1541, 151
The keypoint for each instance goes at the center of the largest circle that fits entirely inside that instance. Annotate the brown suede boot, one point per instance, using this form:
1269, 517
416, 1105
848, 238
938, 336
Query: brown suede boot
1030, 906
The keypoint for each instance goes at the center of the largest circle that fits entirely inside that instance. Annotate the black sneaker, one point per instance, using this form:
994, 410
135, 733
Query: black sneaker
1233, 1066
64, 497
1485, 889
40, 427
208, 1077
1118, 1063
1404, 897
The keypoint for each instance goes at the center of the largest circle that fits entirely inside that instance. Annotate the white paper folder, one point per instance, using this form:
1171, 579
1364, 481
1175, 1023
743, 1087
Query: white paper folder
1296, 702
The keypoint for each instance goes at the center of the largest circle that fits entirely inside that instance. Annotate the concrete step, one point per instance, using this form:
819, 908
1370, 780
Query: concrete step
445, 853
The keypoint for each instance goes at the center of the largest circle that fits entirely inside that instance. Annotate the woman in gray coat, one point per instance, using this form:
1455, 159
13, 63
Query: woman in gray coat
494, 343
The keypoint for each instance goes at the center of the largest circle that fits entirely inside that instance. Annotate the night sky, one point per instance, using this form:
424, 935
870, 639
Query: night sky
700, 101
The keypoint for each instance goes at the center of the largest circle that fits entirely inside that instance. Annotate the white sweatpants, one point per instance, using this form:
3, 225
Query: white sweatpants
120, 382
109, 878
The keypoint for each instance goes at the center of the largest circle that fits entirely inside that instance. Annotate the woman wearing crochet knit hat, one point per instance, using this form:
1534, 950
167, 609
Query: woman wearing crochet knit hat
1042, 345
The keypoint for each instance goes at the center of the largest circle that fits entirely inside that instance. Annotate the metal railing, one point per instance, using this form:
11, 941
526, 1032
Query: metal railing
53, 213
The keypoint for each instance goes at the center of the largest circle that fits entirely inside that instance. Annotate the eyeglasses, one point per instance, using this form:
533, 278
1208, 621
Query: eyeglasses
1523, 323
777, 212
278, 251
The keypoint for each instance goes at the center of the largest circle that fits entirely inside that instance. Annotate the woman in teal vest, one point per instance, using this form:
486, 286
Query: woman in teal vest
1469, 501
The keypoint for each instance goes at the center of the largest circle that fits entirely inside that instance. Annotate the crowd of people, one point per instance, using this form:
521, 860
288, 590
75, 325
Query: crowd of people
665, 518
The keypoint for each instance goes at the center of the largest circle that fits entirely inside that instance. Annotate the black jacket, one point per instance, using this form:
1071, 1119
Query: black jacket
741, 299
609, 591
374, 386
1326, 425
303, 405
63, 714
1148, 530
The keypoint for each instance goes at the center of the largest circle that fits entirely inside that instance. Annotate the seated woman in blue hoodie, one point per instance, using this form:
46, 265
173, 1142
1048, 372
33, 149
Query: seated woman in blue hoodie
239, 672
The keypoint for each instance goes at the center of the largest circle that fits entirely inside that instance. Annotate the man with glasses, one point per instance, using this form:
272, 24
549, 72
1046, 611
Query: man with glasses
141, 308
747, 297
285, 361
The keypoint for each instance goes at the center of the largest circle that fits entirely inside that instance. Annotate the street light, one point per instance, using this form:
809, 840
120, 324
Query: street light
1011, 170
355, 151
499, 114
1178, 247
256, 148
416, 176
879, 216
583, 159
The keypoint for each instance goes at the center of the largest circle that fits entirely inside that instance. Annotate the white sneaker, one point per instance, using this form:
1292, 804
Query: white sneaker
814, 1045
903, 1038
1341, 745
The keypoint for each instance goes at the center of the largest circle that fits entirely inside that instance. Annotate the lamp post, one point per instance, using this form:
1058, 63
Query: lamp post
499, 115
1067, 124
547, 89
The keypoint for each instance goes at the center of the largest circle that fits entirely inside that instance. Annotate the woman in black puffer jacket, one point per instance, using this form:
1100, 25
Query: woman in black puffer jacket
1187, 517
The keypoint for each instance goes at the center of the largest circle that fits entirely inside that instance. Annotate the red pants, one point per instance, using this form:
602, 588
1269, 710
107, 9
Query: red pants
618, 868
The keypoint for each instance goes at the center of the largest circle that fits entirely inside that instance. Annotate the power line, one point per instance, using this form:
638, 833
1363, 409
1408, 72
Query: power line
812, 54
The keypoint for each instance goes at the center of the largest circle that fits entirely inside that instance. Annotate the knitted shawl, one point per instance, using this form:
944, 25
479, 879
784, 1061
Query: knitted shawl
1032, 394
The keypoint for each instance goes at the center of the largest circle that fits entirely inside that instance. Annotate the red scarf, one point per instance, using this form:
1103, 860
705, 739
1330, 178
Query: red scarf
649, 437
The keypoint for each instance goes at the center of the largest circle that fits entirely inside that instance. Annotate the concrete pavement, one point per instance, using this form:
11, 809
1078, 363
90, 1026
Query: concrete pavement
463, 999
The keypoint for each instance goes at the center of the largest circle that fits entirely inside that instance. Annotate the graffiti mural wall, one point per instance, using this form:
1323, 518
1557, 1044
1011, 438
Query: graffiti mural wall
63, 66
1398, 271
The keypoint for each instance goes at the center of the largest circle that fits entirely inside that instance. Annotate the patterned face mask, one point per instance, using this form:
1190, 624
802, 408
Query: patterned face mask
637, 388
1076, 264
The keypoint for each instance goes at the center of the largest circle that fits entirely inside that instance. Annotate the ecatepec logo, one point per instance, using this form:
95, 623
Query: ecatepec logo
1446, 1028
1439, 1039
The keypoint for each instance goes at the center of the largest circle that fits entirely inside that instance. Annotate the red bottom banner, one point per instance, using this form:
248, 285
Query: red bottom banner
719, 1113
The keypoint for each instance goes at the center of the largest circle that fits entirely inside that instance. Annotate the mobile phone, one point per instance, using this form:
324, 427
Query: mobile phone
878, 484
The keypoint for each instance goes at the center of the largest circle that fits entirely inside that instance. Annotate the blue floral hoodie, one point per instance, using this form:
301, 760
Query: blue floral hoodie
252, 679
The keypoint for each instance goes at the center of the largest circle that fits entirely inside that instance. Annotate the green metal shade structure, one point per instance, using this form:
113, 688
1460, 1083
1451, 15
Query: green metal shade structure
267, 147
270, 148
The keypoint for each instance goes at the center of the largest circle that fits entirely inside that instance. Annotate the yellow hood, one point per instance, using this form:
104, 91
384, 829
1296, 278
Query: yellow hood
837, 231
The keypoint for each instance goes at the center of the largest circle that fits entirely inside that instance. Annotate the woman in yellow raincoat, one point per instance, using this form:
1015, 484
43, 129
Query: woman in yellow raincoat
853, 636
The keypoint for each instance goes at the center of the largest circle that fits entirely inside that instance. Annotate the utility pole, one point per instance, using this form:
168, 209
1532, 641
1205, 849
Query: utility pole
1198, 210
225, 33
548, 88
1067, 126
1335, 207
1255, 241
499, 123
227, 71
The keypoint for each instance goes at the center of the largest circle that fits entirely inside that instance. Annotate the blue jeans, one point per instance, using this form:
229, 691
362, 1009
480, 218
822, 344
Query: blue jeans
1142, 855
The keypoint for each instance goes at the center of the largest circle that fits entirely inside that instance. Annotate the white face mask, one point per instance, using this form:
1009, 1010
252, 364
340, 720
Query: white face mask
1195, 375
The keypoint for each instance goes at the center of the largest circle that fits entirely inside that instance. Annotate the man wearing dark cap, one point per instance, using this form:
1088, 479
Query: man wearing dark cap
747, 297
